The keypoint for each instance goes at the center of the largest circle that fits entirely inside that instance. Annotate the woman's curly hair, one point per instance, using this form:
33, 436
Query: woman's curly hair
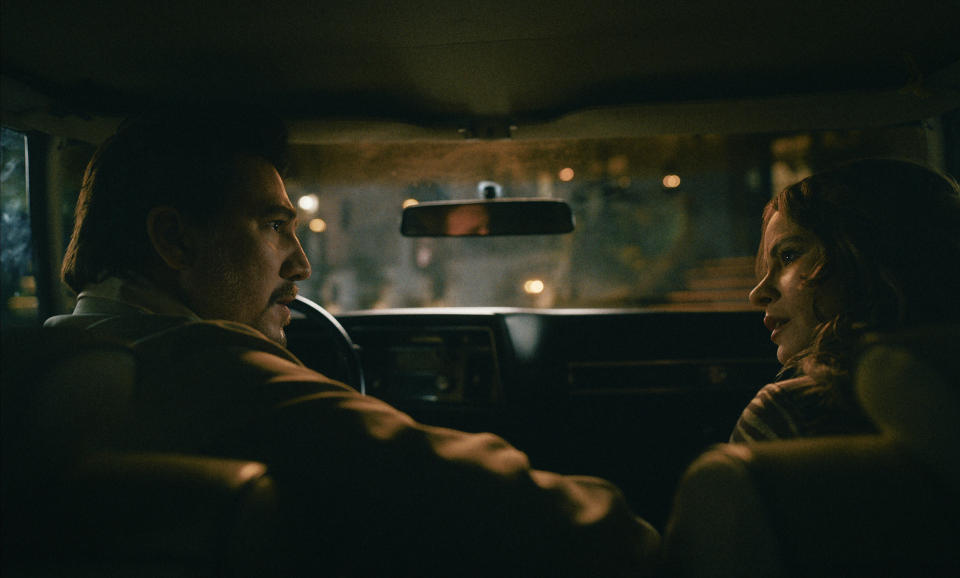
890, 231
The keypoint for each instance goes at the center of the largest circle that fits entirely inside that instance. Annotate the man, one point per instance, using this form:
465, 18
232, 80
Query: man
185, 247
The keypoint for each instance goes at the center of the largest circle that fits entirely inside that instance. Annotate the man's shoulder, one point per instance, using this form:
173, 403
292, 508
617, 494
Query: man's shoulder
218, 353
211, 335
212, 329
146, 332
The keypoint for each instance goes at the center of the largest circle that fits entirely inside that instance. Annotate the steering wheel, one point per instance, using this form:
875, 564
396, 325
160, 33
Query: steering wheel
317, 338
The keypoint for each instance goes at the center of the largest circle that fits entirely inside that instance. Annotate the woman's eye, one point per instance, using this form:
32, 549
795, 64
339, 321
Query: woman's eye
788, 256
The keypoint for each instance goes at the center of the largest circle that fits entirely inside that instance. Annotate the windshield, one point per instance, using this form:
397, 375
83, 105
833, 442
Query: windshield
668, 221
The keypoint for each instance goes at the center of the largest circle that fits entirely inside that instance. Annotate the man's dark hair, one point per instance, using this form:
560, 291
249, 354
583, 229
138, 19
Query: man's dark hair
168, 157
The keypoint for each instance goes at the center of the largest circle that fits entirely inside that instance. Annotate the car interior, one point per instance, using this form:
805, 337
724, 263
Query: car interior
531, 218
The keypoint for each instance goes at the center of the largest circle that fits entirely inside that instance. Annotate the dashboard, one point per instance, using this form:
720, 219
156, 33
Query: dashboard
491, 356
629, 395
458, 363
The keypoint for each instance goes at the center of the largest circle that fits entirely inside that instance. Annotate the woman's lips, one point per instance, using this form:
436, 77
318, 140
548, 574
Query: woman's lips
774, 325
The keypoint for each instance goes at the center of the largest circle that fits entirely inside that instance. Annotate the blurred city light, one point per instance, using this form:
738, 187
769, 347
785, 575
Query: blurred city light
309, 203
318, 225
671, 181
533, 286
566, 174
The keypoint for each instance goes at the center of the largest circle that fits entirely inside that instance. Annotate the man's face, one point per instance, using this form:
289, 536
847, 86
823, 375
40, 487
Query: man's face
247, 260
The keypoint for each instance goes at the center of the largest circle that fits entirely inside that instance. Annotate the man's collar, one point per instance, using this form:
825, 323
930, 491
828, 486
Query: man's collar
119, 296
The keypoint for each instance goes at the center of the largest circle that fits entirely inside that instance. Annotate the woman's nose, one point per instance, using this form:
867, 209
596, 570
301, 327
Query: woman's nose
763, 293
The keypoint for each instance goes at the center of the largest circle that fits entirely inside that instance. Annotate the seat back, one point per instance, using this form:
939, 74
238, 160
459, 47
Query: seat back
73, 506
886, 504
64, 393
908, 383
856, 506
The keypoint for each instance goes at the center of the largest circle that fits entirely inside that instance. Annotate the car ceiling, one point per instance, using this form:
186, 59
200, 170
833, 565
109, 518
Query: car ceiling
489, 68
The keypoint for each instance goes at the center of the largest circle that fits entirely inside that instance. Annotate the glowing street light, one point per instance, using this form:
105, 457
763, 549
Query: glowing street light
533, 286
309, 203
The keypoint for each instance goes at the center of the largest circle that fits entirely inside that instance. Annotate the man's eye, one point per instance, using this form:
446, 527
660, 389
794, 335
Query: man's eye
276, 225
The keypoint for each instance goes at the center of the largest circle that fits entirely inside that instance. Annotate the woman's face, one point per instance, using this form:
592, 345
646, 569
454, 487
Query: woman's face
793, 308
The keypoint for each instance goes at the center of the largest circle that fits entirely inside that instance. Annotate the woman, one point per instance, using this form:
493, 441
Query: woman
873, 245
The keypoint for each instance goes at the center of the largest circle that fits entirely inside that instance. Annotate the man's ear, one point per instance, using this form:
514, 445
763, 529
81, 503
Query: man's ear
168, 234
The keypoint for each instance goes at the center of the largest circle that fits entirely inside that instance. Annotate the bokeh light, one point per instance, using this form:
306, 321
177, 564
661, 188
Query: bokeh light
309, 203
671, 181
533, 286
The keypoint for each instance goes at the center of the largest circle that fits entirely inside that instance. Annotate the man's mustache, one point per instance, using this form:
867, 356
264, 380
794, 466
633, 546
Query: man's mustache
287, 291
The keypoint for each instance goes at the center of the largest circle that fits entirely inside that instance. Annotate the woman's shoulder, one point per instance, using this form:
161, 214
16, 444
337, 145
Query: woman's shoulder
798, 407
777, 411
795, 388
803, 398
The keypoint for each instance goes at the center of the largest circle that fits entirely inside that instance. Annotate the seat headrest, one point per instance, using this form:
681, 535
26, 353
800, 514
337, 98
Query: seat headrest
908, 384
65, 392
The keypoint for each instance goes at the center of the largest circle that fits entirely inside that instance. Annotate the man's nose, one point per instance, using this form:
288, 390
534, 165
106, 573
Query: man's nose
296, 267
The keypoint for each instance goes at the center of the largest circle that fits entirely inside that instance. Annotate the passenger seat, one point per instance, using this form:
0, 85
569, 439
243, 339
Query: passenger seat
881, 505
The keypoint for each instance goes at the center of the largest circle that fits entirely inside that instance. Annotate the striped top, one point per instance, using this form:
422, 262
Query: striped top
797, 408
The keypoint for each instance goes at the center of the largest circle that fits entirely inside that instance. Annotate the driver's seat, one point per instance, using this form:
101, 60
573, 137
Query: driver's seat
73, 506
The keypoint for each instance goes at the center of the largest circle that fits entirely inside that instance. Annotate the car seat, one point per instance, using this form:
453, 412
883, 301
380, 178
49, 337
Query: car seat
73, 506
879, 505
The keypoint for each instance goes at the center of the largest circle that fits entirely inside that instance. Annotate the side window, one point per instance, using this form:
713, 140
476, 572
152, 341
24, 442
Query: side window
18, 284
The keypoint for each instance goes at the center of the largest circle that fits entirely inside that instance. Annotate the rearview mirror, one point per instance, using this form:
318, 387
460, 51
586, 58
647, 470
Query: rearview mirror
487, 217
